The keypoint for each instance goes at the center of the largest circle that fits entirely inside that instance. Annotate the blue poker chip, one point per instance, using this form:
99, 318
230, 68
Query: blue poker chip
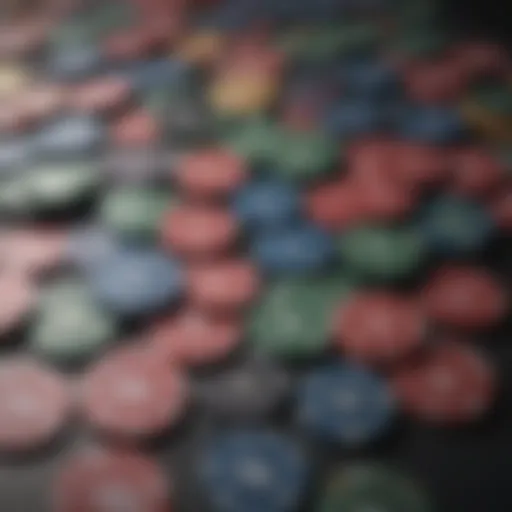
15, 155
296, 250
137, 281
253, 471
75, 62
454, 226
267, 204
89, 247
355, 118
369, 79
69, 137
346, 404
151, 74
436, 125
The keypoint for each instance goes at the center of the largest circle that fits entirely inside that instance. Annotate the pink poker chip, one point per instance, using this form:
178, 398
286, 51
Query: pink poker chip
225, 286
379, 328
35, 404
465, 297
105, 480
130, 395
138, 128
451, 384
100, 95
194, 338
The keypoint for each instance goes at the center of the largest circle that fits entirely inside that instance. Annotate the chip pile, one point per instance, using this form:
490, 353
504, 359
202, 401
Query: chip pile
246, 210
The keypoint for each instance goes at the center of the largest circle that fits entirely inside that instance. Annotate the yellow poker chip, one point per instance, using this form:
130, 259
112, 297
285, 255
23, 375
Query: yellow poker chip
202, 48
243, 94
13, 79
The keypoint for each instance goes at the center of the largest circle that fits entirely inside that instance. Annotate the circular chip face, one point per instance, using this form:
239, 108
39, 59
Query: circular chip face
18, 299
451, 384
193, 338
383, 253
267, 204
250, 391
294, 250
378, 327
31, 251
199, 231
134, 212
346, 404
476, 173
226, 286
465, 297
367, 486
293, 317
35, 404
129, 394
101, 95
70, 326
253, 471
97, 480
453, 226
210, 173
137, 281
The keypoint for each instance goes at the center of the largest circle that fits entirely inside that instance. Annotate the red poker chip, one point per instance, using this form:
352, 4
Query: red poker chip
35, 404
335, 205
475, 172
199, 231
137, 128
436, 81
465, 297
30, 251
100, 95
225, 286
479, 59
379, 328
100, 480
19, 297
372, 158
193, 338
210, 172
501, 209
129, 394
451, 384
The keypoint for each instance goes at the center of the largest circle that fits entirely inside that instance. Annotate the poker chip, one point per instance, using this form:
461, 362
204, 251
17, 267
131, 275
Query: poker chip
453, 225
195, 338
296, 250
198, 231
31, 251
129, 394
136, 128
452, 384
70, 326
41, 101
133, 212
382, 253
75, 61
465, 297
225, 286
293, 317
252, 470
372, 486
18, 300
137, 281
344, 403
210, 173
103, 480
266, 204
253, 390
35, 405
378, 327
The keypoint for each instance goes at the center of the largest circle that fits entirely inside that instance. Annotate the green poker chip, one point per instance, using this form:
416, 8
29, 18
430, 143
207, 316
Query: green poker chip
367, 487
134, 212
383, 252
305, 155
293, 318
70, 326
